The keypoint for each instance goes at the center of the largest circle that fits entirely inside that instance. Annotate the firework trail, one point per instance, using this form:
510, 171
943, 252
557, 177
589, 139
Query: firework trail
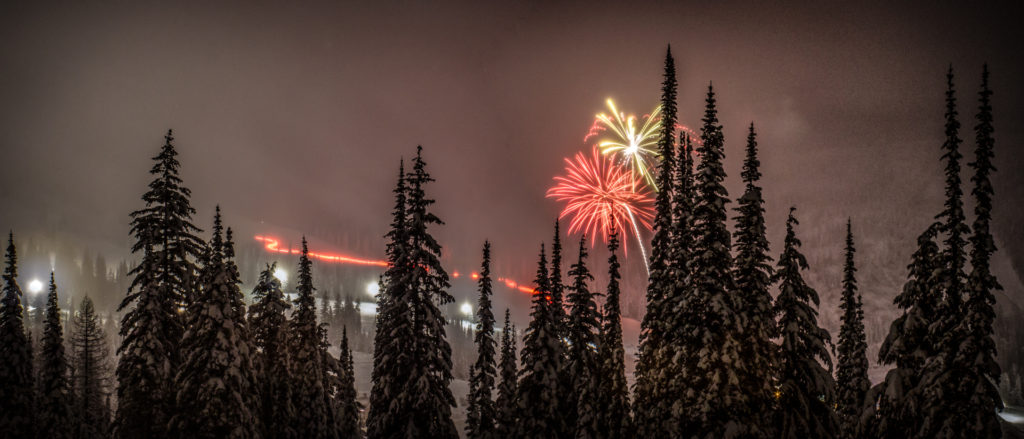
600, 195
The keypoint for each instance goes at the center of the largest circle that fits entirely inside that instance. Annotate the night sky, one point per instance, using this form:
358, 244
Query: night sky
293, 116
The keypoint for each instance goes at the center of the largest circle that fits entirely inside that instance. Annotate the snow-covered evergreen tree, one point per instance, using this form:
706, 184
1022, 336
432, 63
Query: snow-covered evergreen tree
978, 350
345, 398
944, 412
394, 337
653, 400
505, 404
480, 410
161, 288
711, 362
584, 328
566, 395
892, 407
752, 272
216, 386
614, 420
541, 357
268, 326
309, 397
90, 378
415, 398
17, 379
806, 389
53, 411
852, 381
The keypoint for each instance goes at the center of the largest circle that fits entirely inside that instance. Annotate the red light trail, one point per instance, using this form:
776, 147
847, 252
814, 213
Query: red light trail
273, 245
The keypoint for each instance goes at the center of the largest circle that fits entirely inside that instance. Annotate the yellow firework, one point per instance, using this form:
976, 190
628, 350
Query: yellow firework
635, 143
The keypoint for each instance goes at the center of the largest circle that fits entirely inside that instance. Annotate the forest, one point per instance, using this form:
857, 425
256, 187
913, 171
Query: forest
730, 344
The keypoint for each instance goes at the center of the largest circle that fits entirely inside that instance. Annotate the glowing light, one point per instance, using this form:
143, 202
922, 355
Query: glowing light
272, 245
600, 196
35, 286
466, 308
281, 275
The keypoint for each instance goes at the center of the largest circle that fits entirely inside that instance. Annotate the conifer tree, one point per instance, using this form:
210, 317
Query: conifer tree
17, 383
216, 387
753, 279
268, 324
348, 406
54, 413
806, 389
505, 404
428, 282
333, 374
614, 419
583, 330
892, 407
161, 287
541, 357
480, 411
90, 377
566, 396
652, 405
852, 381
414, 398
394, 335
978, 350
309, 396
943, 412
712, 356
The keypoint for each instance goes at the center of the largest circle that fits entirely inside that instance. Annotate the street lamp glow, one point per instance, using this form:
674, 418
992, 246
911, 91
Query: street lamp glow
281, 275
35, 286
466, 309
373, 289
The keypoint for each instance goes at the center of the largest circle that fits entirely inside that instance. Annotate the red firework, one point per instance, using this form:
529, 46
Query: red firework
600, 194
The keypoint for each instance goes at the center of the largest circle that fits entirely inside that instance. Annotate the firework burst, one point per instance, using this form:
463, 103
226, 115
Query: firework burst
633, 142
600, 195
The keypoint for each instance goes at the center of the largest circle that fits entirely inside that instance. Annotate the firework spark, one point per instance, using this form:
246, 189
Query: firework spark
634, 143
600, 195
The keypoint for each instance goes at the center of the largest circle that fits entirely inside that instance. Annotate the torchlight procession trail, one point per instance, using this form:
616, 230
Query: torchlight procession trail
273, 245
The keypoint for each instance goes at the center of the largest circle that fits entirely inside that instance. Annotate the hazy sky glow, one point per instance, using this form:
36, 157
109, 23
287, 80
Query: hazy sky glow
296, 115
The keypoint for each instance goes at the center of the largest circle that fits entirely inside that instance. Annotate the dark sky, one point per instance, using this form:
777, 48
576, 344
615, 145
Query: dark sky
296, 113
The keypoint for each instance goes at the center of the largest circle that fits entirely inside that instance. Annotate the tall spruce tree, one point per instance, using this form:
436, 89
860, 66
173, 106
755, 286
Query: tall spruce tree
414, 398
216, 386
978, 350
53, 413
431, 374
90, 378
712, 358
806, 389
852, 381
892, 407
653, 400
566, 396
480, 410
308, 393
943, 411
753, 279
614, 420
505, 404
17, 379
345, 398
161, 288
541, 357
584, 328
268, 325
394, 336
